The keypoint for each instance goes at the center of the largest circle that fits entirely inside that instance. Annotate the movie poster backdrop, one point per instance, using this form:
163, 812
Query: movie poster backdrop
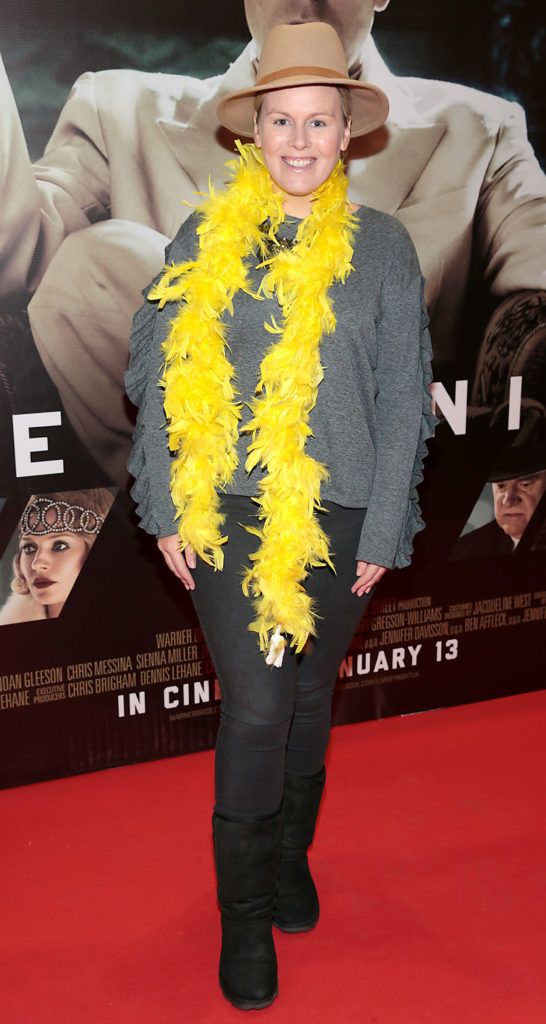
102, 659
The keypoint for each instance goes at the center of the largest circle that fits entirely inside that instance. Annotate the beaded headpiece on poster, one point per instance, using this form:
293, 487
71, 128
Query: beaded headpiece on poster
44, 515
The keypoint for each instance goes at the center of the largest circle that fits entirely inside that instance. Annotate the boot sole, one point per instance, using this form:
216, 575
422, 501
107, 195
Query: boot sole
291, 929
249, 1004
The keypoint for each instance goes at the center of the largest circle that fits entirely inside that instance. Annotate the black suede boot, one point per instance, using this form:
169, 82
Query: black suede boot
297, 908
247, 854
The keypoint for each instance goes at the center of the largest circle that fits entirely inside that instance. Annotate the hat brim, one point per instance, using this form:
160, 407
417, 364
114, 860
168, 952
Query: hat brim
518, 462
369, 104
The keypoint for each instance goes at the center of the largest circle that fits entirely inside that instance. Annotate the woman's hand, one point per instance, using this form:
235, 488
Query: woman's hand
177, 562
368, 575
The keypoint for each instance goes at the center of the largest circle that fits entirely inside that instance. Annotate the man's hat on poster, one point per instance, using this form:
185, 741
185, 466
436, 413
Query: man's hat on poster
306, 54
526, 454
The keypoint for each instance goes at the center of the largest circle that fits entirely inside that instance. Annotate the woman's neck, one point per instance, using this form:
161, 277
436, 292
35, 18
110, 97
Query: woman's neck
54, 610
292, 209
297, 206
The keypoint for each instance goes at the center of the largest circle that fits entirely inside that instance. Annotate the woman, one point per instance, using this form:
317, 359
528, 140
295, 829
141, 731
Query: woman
283, 286
56, 534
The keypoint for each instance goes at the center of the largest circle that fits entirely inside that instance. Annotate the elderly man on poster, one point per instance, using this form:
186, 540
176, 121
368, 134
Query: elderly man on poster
516, 490
85, 228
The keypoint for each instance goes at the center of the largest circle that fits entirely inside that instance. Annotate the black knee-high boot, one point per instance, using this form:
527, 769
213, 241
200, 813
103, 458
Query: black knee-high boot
247, 854
297, 908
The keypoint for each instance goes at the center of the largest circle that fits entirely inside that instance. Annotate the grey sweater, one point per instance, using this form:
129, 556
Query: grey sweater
373, 413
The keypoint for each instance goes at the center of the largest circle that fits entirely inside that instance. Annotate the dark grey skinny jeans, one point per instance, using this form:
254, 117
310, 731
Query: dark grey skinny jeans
274, 720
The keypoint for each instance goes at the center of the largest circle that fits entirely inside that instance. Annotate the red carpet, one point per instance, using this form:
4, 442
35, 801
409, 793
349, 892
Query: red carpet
429, 857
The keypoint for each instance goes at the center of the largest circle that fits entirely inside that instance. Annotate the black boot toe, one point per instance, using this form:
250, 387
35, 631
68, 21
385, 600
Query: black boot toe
248, 964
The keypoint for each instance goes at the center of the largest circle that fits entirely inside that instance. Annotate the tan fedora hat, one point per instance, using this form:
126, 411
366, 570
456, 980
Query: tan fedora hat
307, 54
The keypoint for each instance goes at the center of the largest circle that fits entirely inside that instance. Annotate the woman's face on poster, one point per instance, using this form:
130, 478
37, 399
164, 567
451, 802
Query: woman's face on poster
51, 565
352, 19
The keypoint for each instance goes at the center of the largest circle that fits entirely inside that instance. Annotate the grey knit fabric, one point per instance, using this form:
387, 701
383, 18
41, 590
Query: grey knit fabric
373, 413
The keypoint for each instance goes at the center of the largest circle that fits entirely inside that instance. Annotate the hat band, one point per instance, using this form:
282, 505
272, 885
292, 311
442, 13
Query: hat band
301, 69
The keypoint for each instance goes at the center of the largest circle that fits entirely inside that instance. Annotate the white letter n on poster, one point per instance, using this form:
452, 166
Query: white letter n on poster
454, 412
24, 444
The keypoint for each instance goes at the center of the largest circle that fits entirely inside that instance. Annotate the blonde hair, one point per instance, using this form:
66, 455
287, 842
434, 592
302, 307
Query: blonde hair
344, 96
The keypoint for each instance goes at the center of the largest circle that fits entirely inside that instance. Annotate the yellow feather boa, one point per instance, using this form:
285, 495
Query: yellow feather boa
200, 407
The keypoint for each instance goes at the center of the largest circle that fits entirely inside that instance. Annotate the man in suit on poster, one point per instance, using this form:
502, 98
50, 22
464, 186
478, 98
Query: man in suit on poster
518, 489
85, 228
516, 500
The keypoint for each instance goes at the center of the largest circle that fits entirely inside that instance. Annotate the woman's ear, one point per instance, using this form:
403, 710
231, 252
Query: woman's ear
257, 136
346, 136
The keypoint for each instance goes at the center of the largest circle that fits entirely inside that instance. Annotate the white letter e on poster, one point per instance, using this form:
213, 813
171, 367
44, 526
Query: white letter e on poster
24, 444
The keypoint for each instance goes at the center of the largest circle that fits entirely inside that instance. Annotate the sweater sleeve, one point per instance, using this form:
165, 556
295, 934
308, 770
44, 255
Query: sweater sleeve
405, 420
150, 459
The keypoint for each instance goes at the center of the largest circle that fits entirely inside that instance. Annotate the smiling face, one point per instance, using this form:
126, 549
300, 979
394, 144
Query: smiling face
352, 19
301, 132
50, 565
516, 500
